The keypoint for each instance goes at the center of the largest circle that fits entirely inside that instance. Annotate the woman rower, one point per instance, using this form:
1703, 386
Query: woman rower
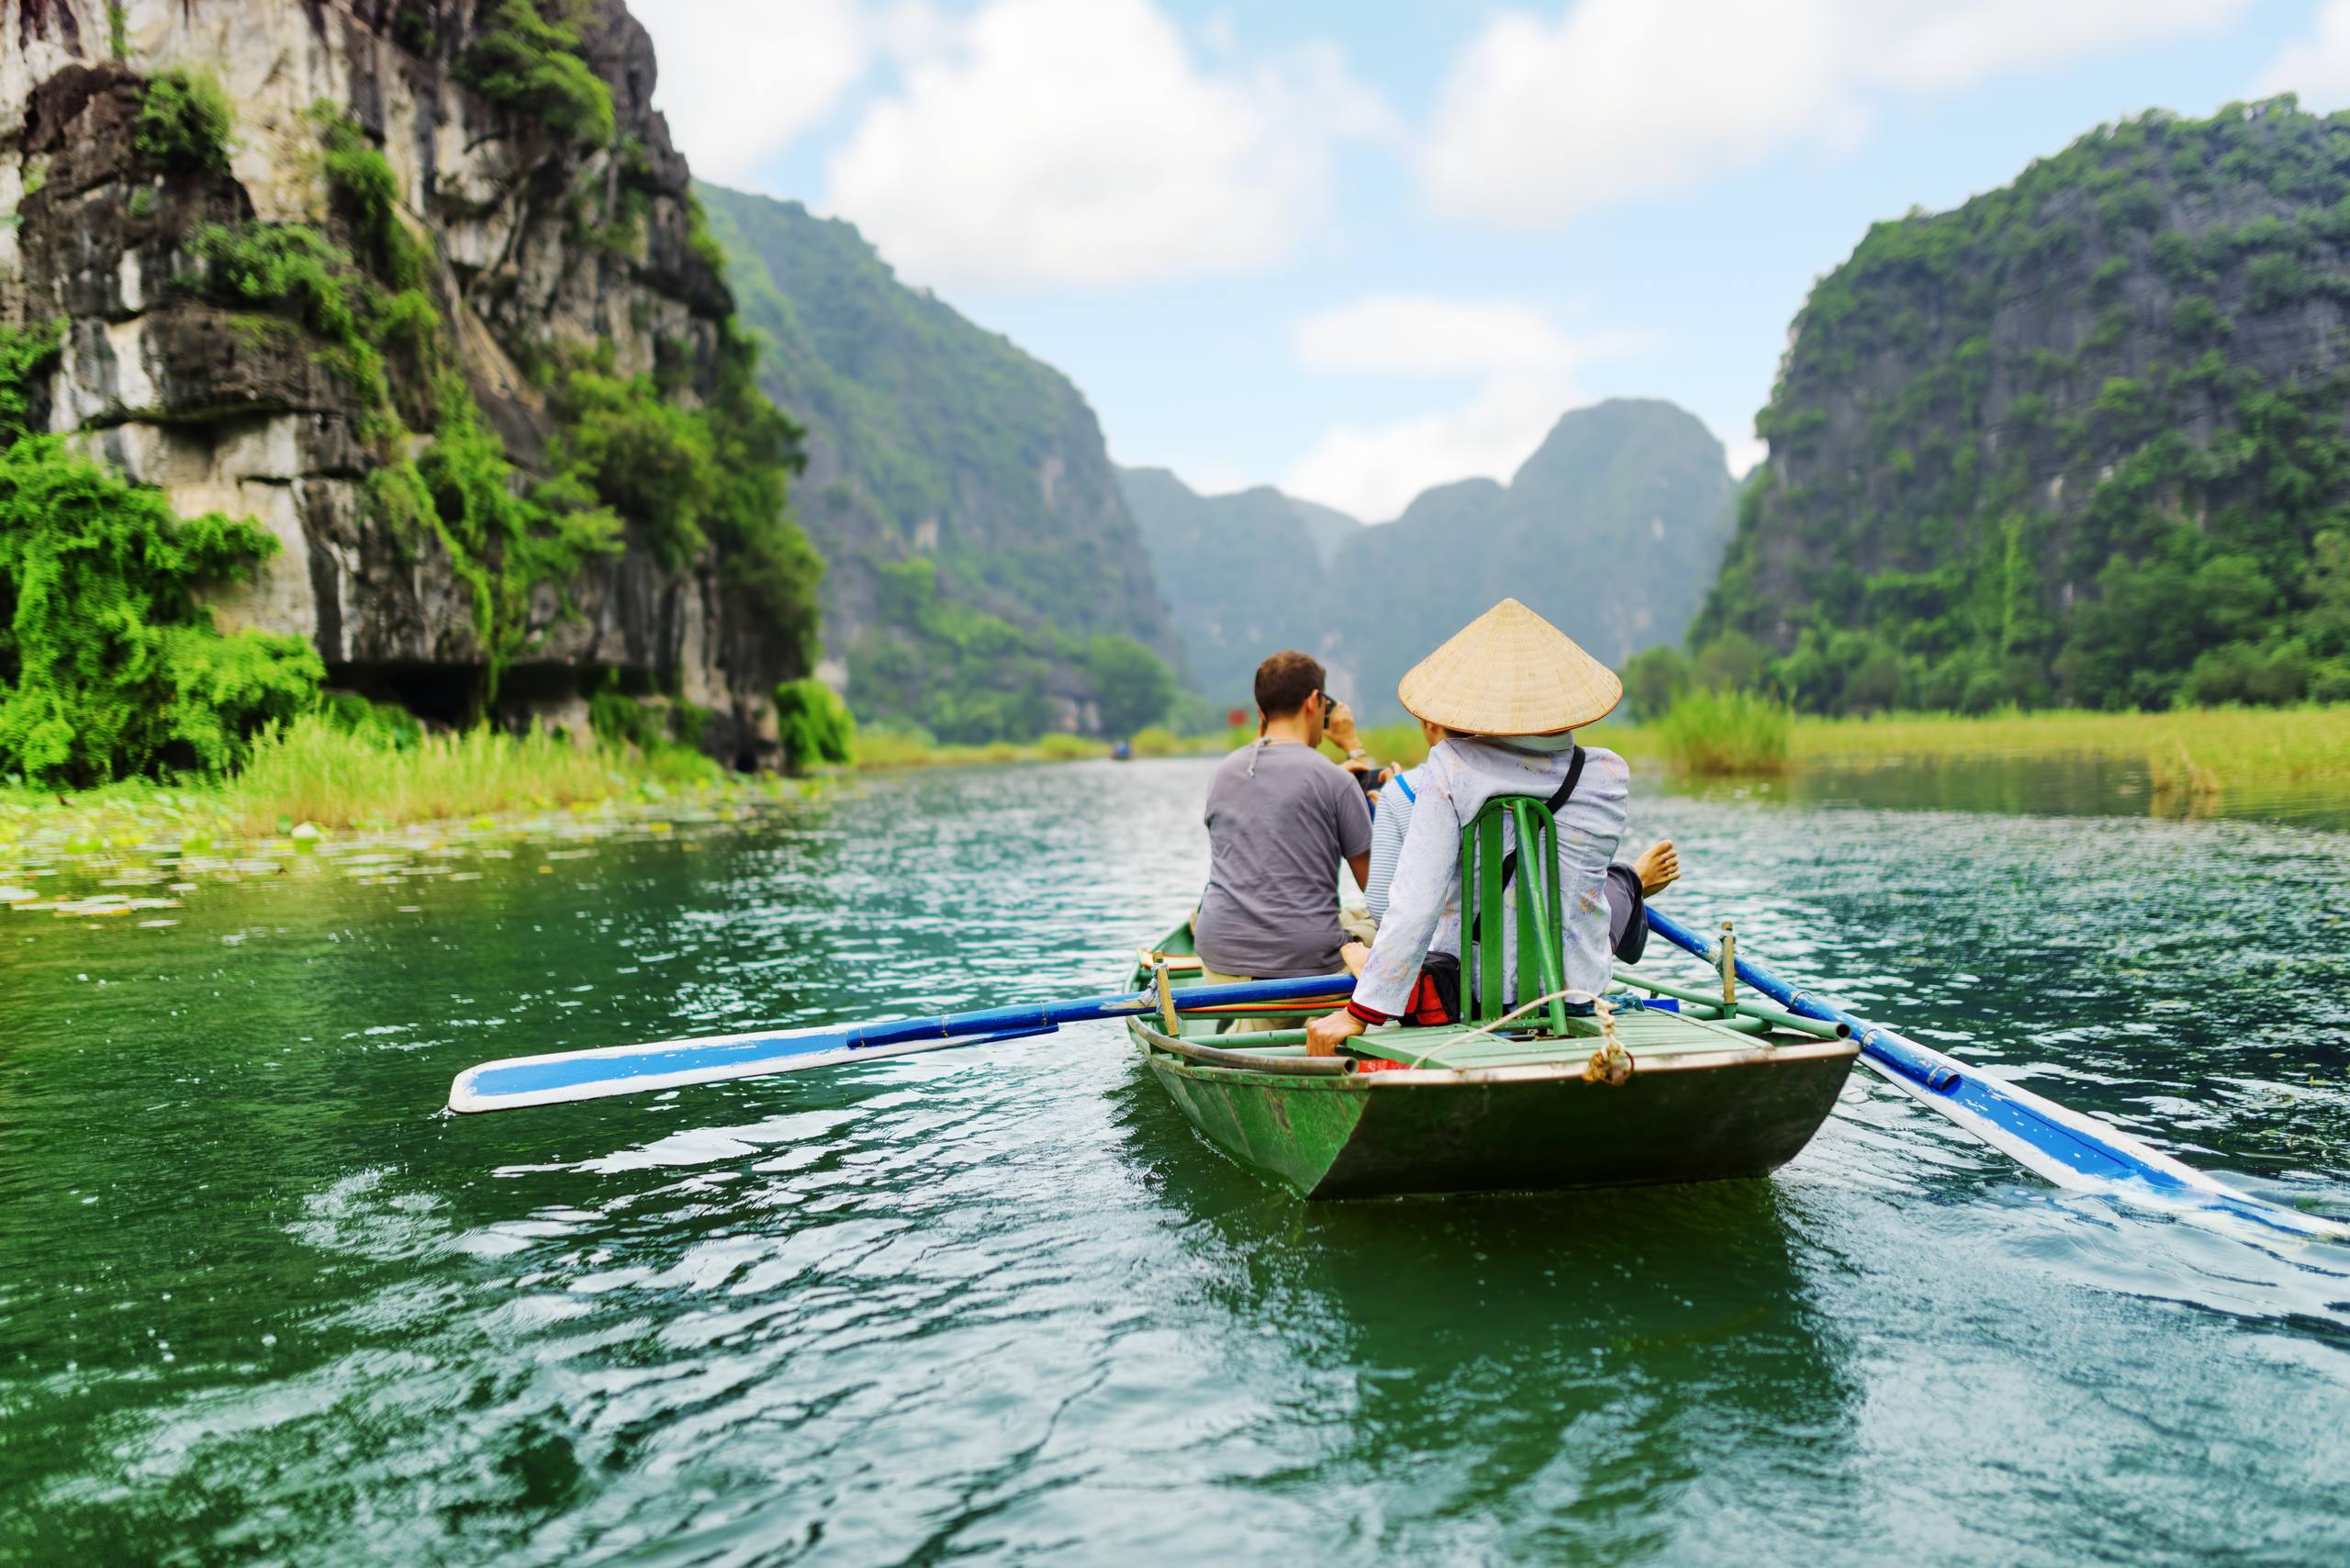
1510, 690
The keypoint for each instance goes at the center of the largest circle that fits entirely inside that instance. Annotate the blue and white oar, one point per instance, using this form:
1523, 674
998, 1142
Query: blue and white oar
552, 1080
2069, 1148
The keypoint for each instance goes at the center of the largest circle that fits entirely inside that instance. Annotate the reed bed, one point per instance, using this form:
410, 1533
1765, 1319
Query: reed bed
2195, 750
884, 749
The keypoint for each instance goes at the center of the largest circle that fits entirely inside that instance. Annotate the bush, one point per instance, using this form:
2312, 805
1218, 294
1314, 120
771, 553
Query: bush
386, 725
815, 725
621, 720
2247, 673
1731, 662
1132, 686
1153, 741
1654, 679
294, 265
112, 667
530, 63
364, 191
184, 121
621, 445
1728, 731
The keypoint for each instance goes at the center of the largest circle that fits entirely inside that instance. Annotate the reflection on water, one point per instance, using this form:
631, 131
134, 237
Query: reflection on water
2033, 786
257, 1300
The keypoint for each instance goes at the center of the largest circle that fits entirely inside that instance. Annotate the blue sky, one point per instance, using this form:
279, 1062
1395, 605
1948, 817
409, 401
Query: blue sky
1356, 249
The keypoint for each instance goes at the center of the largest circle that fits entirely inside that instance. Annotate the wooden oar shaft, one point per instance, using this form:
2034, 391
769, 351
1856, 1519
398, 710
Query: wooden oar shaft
2061, 1145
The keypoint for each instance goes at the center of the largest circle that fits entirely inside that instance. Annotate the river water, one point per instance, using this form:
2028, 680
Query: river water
258, 1301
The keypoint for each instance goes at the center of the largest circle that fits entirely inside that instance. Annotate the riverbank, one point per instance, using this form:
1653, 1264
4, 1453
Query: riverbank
318, 795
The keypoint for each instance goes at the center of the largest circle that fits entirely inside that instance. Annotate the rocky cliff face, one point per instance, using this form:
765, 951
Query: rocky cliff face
930, 440
2069, 438
538, 244
1245, 573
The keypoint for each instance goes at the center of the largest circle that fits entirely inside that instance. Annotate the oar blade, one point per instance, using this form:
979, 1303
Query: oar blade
513, 1083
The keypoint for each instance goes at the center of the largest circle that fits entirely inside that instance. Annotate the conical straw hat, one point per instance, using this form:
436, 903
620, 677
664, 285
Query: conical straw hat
1509, 672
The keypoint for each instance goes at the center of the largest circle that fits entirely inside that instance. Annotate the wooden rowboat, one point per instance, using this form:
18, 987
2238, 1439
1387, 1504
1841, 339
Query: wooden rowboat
1459, 1110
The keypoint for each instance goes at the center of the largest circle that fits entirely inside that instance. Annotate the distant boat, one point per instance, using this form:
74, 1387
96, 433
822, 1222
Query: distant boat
1461, 1109
1124, 751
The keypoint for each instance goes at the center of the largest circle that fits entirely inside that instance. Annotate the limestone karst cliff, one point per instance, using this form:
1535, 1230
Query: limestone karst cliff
432, 306
2080, 440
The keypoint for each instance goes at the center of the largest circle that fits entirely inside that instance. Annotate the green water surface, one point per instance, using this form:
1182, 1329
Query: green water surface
258, 1301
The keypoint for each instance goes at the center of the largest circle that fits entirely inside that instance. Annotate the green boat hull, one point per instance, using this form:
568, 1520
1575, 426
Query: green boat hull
1380, 1134
1491, 1114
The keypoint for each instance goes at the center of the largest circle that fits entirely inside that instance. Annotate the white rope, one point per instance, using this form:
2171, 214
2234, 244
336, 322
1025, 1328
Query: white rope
1611, 1063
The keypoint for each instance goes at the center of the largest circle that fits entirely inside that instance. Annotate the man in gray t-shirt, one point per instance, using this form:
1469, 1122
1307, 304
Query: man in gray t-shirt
1281, 819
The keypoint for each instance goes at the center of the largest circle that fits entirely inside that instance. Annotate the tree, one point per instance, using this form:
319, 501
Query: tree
1654, 680
1132, 686
1731, 662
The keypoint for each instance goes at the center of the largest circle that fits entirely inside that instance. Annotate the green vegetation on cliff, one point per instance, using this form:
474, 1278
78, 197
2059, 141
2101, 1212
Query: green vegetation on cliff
623, 451
109, 666
2079, 441
184, 121
977, 544
526, 56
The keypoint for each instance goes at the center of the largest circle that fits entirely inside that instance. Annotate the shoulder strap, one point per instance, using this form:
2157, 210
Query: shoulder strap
1574, 777
1405, 784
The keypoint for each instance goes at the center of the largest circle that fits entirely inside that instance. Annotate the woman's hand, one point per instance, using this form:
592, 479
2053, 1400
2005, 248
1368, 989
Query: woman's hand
1328, 1033
1354, 955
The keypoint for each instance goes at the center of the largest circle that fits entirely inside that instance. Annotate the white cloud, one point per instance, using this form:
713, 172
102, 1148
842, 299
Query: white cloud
2317, 66
1077, 142
1745, 454
1374, 471
1524, 365
1417, 334
1538, 120
740, 82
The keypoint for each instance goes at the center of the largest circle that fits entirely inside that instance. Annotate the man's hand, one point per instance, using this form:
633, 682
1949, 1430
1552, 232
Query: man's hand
1340, 729
1328, 1033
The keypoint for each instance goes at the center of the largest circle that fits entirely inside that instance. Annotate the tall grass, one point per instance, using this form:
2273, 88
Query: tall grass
1727, 733
885, 748
2189, 748
313, 772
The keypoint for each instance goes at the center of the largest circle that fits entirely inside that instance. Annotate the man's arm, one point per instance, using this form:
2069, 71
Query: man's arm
1360, 866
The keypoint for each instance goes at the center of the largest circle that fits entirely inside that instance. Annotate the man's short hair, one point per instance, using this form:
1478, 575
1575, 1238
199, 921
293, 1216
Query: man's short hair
1286, 680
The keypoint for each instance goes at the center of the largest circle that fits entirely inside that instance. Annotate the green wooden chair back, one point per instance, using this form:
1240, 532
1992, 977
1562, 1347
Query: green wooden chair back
1539, 912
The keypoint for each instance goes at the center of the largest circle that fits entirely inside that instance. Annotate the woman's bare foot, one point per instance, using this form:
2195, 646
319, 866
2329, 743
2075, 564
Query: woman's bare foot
1658, 869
